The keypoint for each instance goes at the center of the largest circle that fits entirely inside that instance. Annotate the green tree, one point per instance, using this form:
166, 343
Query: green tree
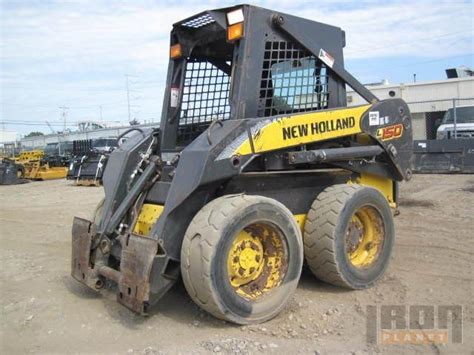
34, 134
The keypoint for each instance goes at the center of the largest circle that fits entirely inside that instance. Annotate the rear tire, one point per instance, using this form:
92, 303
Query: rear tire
241, 258
348, 236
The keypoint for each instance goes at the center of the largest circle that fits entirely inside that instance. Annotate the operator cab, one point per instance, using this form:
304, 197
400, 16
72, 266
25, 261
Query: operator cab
211, 76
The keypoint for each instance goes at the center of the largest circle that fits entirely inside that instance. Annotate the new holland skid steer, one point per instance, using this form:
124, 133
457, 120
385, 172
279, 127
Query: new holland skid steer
258, 164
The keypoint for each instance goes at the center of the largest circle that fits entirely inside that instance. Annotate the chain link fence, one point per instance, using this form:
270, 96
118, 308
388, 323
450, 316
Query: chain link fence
443, 132
443, 119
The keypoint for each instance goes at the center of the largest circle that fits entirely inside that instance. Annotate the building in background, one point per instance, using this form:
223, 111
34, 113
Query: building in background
41, 141
8, 142
7, 136
428, 101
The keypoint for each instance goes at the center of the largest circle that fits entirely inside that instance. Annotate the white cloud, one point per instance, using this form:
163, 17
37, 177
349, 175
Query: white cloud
416, 28
77, 52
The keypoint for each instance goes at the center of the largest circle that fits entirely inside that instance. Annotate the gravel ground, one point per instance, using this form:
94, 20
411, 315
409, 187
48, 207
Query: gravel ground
43, 310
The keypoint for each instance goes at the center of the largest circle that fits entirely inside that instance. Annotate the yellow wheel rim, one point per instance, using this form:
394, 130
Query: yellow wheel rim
257, 260
364, 237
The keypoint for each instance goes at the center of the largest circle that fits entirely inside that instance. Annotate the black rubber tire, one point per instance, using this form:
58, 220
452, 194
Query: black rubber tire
20, 173
204, 257
325, 230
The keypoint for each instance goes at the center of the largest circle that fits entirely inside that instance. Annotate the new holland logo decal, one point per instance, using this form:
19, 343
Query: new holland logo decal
303, 130
276, 133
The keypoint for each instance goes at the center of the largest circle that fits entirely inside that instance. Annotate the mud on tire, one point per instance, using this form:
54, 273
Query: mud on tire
210, 250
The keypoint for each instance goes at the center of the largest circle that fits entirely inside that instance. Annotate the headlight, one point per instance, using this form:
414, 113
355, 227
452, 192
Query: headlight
441, 135
234, 17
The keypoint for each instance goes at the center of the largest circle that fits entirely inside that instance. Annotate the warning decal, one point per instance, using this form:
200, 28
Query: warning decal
326, 58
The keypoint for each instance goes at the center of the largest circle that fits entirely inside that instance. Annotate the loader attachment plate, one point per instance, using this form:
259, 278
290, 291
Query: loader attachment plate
136, 263
81, 268
133, 279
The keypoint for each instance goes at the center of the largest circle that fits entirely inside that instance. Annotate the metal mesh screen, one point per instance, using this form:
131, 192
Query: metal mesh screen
198, 22
205, 98
292, 80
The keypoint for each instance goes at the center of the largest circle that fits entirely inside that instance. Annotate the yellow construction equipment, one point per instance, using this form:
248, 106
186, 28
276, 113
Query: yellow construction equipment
257, 166
37, 170
27, 156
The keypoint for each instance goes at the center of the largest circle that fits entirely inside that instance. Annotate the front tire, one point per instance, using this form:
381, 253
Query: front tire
241, 258
348, 237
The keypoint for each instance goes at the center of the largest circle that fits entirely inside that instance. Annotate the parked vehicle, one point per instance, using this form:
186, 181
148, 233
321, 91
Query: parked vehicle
463, 116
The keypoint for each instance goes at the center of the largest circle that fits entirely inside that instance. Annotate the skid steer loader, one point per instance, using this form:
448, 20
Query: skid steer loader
257, 165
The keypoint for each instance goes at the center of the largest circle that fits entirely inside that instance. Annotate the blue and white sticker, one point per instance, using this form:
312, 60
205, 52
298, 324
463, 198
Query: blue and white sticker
374, 118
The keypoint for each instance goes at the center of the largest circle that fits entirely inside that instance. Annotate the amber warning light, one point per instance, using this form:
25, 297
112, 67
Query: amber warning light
235, 32
175, 51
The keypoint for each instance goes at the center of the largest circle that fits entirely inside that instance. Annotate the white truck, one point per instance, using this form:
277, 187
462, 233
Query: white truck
464, 128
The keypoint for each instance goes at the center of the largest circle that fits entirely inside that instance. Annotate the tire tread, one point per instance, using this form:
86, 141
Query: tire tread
319, 233
206, 227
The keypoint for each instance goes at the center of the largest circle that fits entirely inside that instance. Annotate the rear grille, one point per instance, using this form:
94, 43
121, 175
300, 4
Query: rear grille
461, 134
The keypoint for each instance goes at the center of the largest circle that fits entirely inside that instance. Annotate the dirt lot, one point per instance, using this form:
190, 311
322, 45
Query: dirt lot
44, 311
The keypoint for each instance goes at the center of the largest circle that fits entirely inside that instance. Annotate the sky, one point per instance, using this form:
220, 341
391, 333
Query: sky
76, 54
